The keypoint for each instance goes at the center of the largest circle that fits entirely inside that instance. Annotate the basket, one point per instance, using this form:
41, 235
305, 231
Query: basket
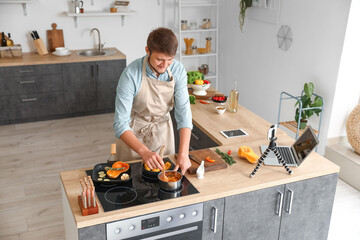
11, 52
353, 129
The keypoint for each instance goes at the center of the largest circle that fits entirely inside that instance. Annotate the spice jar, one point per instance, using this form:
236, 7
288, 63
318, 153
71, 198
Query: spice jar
184, 25
193, 25
205, 68
201, 69
208, 44
206, 23
193, 49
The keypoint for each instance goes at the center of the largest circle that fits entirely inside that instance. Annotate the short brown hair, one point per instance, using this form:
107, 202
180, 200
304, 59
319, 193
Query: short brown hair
162, 40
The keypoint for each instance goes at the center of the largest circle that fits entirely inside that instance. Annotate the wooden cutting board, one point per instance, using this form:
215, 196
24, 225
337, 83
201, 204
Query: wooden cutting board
55, 38
200, 155
209, 94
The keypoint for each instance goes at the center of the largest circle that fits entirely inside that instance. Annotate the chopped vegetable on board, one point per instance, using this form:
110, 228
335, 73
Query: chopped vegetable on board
210, 160
228, 159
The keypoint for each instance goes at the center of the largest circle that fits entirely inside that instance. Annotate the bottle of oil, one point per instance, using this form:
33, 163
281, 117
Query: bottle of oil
3, 40
112, 157
234, 99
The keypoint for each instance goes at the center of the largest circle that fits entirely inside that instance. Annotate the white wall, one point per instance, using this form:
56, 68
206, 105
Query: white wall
130, 38
347, 94
264, 71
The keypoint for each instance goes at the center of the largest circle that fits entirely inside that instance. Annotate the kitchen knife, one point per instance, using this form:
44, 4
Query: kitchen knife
198, 161
32, 35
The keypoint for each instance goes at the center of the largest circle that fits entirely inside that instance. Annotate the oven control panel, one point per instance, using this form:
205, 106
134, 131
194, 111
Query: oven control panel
153, 222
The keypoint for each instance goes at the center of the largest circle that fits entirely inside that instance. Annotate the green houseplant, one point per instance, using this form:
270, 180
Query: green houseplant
244, 4
308, 101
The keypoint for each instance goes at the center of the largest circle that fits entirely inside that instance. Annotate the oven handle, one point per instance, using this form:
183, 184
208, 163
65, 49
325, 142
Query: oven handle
169, 234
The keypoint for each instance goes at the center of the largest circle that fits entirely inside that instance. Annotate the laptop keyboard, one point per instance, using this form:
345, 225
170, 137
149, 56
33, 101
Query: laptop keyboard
285, 152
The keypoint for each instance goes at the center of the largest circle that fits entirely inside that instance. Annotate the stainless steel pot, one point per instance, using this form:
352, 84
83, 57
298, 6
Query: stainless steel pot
170, 186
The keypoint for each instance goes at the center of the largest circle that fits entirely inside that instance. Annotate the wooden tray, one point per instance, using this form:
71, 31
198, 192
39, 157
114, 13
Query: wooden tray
200, 155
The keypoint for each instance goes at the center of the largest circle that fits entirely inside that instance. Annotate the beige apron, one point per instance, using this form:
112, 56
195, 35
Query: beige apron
150, 117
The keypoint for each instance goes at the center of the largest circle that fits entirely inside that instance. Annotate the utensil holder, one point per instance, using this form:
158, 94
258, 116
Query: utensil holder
40, 47
88, 210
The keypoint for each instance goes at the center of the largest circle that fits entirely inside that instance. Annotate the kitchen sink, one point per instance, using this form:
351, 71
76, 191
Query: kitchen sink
93, 52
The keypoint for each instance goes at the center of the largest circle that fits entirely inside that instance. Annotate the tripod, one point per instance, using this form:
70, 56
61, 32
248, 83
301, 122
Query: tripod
271, 147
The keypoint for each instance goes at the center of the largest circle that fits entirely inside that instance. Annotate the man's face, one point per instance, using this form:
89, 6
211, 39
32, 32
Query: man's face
160, 61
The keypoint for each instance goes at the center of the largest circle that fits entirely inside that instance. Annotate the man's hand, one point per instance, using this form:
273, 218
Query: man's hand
152, 159
182, 162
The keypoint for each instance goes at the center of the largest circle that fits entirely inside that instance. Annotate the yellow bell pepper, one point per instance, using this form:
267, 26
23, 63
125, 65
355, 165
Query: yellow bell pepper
199, 82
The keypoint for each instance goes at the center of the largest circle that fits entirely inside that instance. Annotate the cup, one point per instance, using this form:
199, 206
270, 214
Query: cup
61, 50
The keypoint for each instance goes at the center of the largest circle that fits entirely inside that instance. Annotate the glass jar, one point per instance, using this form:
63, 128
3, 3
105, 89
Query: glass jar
184, 25
205, 68
206, 23
193, 49
193, 25
201, 69
208, 44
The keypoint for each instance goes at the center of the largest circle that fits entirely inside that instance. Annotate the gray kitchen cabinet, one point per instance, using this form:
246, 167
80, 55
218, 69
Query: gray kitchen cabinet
213, 217
107, 77
253, 215
96, 232
299, 210
79, 87
308, 215
91, 86
30, 92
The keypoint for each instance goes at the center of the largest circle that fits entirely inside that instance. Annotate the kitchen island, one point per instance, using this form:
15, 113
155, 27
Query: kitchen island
247, 207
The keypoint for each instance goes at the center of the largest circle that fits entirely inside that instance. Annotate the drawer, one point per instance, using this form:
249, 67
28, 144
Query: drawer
31, 106
31, 70
30, 84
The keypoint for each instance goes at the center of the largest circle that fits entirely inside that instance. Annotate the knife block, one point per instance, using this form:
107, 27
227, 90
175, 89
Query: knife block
89, 210
40, 47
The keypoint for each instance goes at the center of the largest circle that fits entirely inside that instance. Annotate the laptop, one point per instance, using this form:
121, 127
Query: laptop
295, 154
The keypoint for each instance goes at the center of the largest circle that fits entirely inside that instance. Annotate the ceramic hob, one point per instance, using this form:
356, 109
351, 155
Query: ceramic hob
141, 190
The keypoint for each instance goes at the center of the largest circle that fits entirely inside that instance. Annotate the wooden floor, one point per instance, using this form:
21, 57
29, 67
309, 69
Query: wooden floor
33, 154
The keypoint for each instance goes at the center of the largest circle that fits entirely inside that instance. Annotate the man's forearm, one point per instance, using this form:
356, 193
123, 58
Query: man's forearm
185, 135
133, 142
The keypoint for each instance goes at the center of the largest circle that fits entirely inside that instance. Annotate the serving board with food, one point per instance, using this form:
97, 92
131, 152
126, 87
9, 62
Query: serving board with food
212, 161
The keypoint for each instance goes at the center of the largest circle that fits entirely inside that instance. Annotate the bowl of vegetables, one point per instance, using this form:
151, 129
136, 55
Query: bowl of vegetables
200, 86
219, 98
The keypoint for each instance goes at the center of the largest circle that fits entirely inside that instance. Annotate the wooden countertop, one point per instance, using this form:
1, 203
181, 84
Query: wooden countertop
217, 184
31, 58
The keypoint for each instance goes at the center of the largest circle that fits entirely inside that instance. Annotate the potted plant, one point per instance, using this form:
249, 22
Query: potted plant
244, 4
308, 101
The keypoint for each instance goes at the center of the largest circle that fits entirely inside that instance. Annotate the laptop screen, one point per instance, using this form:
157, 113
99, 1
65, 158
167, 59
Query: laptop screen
305, 144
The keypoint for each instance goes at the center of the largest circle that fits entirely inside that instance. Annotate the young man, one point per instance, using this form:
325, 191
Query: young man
147, 91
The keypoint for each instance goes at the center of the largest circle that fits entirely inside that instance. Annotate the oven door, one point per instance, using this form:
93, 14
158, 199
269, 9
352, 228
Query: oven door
189, 231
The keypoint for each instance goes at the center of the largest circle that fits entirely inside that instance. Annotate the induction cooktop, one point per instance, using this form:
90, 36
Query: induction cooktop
140, 190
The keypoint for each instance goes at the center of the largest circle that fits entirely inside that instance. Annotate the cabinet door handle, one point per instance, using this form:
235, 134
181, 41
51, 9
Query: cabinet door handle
289, 207
214, 219
196, 137
28, 99
97, 70
26, 71
92, 71
27, 82
279, 203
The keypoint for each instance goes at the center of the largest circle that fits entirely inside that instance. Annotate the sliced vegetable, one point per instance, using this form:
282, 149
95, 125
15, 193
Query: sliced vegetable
204, 102
167, 165
229, 152
228, 159
248, 153
113, 173
210, 160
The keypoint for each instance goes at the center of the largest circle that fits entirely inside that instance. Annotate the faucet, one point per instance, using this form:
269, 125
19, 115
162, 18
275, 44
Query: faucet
101, 45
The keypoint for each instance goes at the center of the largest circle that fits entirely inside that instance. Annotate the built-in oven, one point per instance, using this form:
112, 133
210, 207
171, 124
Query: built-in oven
175, 224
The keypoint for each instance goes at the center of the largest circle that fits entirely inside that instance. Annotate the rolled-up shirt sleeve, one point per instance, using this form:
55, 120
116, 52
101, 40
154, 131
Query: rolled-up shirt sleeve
182, 109
125, 93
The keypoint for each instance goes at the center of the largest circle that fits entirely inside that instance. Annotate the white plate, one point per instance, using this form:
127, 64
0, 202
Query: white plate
61, 54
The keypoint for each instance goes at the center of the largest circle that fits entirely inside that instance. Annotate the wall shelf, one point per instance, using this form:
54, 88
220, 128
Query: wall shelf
99, 14
23, 2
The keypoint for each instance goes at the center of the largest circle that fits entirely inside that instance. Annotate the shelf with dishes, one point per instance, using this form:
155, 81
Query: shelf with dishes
100, 14
210, 54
